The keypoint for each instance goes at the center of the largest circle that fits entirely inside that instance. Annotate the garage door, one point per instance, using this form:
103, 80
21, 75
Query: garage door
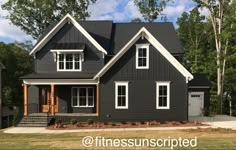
196, 103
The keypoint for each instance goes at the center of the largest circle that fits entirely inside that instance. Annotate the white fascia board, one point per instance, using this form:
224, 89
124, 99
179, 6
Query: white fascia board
60, 81
59, 26
158, 47
118, 55
87, 35
167, 55
49, 35
66, 50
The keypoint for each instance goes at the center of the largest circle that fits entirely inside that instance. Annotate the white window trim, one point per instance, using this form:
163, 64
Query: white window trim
147, 60
165, 83
116, 94
78, 105
69, 70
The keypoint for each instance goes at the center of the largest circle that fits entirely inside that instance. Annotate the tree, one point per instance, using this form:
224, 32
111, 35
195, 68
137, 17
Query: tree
34, 16
217, 12
137, 20
193, 37
18, 63
151, 9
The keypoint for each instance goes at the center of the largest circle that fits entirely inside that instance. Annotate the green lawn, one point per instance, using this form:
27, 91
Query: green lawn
212, 139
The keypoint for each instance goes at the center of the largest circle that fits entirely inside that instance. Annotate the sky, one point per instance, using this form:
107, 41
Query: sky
116, 10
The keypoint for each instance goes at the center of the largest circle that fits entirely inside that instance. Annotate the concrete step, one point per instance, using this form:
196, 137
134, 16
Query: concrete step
33, 121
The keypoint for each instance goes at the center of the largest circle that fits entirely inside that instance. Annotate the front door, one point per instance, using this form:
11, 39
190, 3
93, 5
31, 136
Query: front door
196, 103
45, 99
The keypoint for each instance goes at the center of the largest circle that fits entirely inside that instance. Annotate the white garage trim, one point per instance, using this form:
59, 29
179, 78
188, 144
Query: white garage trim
195, 108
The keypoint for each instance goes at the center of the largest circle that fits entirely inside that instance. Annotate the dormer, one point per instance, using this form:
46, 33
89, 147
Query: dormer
69, 56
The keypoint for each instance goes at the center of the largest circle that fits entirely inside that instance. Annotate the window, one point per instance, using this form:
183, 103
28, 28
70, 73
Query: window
163, 95
83, 97
142, 56
69, 62
121, 95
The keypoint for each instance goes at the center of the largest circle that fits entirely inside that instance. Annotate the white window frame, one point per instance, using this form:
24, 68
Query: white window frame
78, 105
73, 65
126, 84
158, 84
138, 46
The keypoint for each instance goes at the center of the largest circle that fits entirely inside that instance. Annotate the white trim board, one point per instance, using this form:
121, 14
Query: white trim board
61, 23
126, 84
158, 46
60, 82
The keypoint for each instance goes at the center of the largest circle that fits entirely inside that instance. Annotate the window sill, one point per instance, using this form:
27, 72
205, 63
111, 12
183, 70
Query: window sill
162, 108
121, 108
83, 106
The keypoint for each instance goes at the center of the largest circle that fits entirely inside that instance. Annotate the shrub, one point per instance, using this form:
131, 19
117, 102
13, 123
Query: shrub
89, 121
52, 121
113, 124
73, 121
142, 122
105, 123
133, 123
15, 119
123, 122
58, 121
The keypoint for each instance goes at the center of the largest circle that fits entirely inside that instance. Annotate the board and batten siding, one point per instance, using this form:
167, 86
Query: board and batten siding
142, 89
93, 60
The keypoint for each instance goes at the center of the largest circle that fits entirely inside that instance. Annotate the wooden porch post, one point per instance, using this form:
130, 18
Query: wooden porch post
25, 100
97, 99
52, 100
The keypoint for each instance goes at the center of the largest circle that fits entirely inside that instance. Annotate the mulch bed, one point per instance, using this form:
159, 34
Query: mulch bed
101, 125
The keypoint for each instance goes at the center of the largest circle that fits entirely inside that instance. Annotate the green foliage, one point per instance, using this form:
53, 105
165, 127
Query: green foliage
15, 119
34, 16
90, 121
136, 20
17, 63
73, 121
151, 9
198, 39
58, 121
142, 122
123, 122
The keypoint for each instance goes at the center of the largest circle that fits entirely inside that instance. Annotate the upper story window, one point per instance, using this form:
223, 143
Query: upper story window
69, 62
142, 56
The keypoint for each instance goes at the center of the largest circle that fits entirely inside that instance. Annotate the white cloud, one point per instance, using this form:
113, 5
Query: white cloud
203, 12
10, 31
173, 11
118, 10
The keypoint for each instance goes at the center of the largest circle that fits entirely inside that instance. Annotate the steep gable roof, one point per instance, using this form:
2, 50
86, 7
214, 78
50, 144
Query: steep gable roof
145, 33
58, 26
164, 32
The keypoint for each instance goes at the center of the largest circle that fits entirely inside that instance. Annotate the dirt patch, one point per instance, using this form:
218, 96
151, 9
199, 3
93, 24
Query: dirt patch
101, 125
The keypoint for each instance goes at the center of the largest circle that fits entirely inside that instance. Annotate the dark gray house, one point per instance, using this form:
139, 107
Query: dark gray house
1, 68
111, 71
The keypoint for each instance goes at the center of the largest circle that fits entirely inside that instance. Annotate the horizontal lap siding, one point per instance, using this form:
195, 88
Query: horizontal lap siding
142, 90
93, 61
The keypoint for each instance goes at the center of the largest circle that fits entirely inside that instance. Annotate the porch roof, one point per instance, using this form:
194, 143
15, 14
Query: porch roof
59, 75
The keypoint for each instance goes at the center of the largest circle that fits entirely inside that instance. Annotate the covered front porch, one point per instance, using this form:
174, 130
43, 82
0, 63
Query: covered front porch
61, 97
